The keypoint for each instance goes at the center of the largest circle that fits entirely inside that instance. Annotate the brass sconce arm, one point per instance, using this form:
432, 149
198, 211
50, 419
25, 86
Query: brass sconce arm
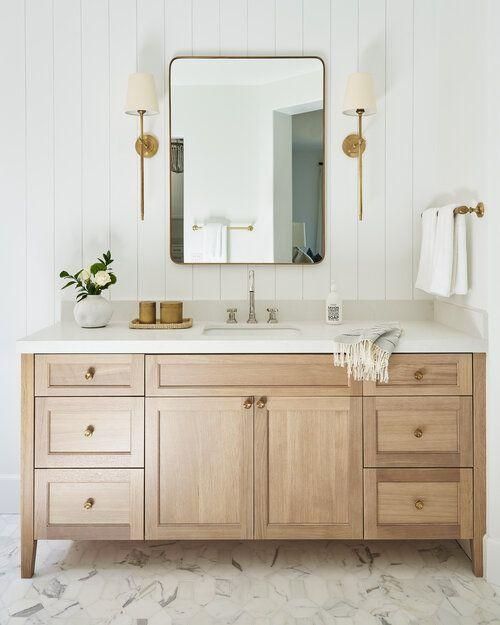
353, 146
146, 146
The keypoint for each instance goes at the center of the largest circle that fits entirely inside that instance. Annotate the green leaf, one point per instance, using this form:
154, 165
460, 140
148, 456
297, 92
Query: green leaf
97, 267
67, 285
113, 278
64, 274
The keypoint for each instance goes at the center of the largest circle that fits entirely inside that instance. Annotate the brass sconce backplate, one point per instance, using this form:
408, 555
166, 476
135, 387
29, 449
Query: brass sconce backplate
149, 146
350, 146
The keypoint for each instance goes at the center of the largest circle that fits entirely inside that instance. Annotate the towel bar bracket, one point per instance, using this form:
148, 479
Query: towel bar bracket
465, 210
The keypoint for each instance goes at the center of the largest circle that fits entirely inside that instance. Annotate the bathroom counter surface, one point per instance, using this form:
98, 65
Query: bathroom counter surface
301, 337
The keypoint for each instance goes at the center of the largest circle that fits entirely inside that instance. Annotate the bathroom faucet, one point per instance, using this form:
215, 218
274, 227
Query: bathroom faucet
251, 294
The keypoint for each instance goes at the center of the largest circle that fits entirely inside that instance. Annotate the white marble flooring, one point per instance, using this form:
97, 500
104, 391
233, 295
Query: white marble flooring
243, 583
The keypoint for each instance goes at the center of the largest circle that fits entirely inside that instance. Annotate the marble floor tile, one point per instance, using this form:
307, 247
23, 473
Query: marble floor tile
243, 583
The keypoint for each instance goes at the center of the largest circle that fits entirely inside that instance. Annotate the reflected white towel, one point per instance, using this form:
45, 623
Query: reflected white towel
442, 271
424, 277
214, 243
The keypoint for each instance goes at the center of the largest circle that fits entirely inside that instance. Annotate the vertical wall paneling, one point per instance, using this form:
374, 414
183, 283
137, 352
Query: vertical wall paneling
399, 149
262, 41
178, 41
289, 40
233, 41
343, 195
426, 178
67, 141
152, 231
206, 40
12, 240
123, 130
41, 280
371, 231
316, 25
95, 128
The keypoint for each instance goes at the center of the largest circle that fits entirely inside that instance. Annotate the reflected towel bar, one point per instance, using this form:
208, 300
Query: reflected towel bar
250, 228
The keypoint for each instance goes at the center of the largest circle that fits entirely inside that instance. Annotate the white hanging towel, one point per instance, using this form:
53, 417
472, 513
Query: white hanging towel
443, 255
424, 277
214, 242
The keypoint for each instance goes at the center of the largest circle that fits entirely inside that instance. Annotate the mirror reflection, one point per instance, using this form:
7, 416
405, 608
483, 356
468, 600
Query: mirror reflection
246, 160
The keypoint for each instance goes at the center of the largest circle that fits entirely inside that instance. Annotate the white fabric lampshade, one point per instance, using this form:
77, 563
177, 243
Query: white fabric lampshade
141, 95
360, 94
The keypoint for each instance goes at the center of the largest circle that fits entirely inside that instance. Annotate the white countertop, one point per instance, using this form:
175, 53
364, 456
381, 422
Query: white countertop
313, 338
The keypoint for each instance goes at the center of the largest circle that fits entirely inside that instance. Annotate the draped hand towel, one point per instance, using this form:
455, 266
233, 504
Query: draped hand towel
443, 254
214, 242
366, 351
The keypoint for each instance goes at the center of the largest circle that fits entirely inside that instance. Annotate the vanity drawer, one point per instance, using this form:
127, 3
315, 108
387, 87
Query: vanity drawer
244, 374
89, 504
89, 432
418, 503
89, 374
425, 374
418, 431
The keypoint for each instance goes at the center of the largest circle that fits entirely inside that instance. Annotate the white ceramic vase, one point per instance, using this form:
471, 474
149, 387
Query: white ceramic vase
93, 312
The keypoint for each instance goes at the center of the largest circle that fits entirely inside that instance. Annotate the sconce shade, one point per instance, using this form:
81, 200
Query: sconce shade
141, 95
360, 94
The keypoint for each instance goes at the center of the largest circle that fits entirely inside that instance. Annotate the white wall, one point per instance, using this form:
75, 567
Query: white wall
69, 183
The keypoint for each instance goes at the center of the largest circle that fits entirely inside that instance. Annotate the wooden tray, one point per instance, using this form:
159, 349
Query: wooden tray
135, 324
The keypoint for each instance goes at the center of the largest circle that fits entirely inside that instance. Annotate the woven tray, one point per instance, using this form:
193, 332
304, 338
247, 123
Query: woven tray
135, 324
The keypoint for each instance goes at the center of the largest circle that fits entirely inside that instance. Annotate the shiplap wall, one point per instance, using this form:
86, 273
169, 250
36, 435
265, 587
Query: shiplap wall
68, 170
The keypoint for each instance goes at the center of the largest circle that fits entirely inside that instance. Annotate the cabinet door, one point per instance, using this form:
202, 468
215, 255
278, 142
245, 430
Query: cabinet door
308, 467
199, 468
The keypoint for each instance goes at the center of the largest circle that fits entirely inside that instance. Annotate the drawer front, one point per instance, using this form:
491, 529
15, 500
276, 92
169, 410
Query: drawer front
418, 503
89, 504
89, 432
194, 375
425, 374
418, 432
89, 374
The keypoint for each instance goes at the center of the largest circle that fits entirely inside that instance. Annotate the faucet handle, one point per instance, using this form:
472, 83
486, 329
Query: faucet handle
231, 316
273, 318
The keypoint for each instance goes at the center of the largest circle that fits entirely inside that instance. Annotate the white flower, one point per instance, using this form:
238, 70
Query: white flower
101, 278
85, 274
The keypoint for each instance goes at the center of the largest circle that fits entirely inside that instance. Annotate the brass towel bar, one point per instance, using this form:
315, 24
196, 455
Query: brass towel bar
250, 228
465, 210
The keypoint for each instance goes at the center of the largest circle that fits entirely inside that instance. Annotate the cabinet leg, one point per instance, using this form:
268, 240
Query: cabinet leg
28, 555
476, 547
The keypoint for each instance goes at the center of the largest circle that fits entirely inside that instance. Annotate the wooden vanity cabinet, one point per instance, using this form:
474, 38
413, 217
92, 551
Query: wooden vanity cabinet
249, 446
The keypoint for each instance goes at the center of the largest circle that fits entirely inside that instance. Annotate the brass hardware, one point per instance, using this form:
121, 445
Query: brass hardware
418, 433
89, 431
262, 402
465, 210
89, 375
250, 228
418, 375
89, 503
419, 504
146, 146
354, 147
248, 403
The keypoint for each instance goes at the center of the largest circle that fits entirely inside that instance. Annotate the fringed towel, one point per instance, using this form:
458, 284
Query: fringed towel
366, 351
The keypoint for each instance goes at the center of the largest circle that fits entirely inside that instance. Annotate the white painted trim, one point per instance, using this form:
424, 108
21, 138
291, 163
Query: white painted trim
9, 490
492, 560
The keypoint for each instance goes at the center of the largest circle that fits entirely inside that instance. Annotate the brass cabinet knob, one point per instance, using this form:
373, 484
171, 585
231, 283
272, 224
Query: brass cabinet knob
262, 402
248, 403
90, 373
89, 431
418, 375
89, 503
419, 504
418, 433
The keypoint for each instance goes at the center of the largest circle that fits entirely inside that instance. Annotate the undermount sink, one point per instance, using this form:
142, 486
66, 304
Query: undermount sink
252, 331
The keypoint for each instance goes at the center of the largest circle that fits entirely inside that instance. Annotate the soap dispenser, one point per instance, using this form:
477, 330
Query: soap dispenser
333, 306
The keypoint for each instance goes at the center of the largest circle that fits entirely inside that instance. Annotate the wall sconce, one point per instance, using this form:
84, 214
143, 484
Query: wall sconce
141, 100
359, 100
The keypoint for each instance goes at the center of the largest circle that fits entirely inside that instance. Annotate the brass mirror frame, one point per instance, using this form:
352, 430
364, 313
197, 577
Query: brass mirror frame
169, 161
